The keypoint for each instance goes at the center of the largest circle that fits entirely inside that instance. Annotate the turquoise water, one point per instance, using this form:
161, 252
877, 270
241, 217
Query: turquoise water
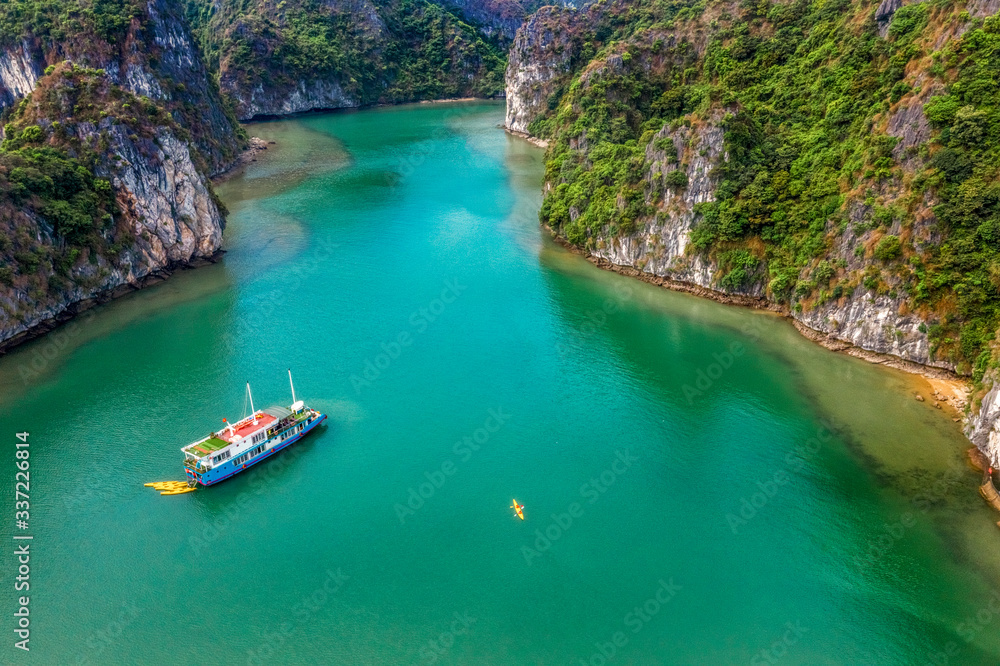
701, 485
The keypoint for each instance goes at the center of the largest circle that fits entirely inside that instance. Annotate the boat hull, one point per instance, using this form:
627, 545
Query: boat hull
228, 469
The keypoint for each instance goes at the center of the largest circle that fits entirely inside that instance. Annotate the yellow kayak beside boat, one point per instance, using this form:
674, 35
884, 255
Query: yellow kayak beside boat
171, 487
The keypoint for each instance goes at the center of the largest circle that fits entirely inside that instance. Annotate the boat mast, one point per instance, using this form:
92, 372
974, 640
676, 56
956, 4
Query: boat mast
253, 411
291, 384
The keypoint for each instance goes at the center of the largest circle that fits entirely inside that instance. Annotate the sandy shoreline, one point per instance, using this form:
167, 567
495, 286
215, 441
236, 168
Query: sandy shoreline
255, 146
450, 99
541, 143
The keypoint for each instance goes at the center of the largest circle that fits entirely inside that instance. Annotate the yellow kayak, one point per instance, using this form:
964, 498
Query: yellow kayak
518, 508
180, 491
170, 487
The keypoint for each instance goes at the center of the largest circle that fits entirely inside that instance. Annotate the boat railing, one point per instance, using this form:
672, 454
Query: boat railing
242, 422
290, 420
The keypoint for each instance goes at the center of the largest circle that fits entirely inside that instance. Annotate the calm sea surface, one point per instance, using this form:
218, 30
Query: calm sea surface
702, 485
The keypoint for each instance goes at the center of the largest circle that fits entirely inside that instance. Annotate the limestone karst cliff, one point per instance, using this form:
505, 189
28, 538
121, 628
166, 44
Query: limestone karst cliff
835, 162
301, 55
540, 60
646, 106
112, 130
149, 51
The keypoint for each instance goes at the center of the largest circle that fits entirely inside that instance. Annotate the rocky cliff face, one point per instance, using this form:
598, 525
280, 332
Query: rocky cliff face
660, 245
166, 208
19, 71
875, 318
538, 63
499, 18
143, 117
983, 424
155, 58
256, 44
300, 55
296, 97
168, 202
848, 293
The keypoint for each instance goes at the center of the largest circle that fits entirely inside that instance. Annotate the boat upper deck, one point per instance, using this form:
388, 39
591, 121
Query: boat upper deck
225, 437
263, 420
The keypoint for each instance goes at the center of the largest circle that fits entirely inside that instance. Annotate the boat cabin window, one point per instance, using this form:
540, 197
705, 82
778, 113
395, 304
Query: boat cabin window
239, 460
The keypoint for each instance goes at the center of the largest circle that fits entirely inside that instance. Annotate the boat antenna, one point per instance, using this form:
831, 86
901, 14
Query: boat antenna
252, 410
291, 384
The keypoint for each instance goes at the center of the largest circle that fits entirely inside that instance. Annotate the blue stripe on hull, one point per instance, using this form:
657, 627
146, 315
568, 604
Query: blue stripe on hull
267, 454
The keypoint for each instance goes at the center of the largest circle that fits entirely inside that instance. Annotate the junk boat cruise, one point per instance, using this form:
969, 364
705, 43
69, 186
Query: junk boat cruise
250, 440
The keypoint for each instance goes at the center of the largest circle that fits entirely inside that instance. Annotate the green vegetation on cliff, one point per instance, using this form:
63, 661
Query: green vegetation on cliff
389, 51
139, 40
804, 92
965, 174
55, 143
59, 20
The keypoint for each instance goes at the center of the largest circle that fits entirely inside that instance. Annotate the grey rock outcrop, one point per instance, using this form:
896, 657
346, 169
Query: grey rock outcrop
873, 322
169, 208
19, 72
168, 201
660, 246
304, 96
884, 13
983, 425
158, 60
910, 126
983, 8
539, 60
